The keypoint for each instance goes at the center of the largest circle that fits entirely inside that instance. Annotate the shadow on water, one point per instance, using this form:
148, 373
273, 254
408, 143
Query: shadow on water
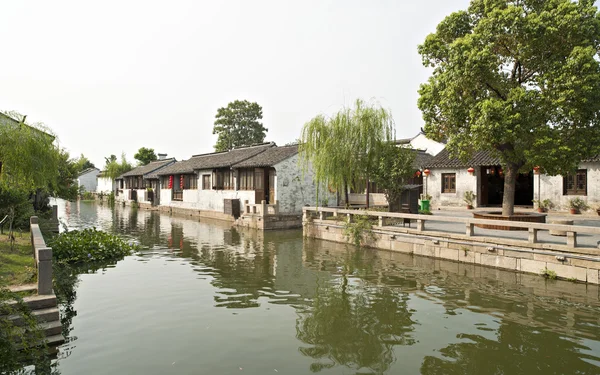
363, 310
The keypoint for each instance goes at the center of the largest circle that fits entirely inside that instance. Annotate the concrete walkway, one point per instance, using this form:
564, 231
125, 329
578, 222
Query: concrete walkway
583, 240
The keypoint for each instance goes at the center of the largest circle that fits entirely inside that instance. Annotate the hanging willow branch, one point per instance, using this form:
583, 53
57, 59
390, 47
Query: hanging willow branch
344, 150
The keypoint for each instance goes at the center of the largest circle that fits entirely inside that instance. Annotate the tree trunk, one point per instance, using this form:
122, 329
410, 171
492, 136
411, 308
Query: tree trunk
508, 199
346, 196
368, 193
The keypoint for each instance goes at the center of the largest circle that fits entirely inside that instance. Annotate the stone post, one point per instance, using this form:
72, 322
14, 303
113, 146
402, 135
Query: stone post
572, 239
533, 233
420, 225
44, 270
263, 208
470, 229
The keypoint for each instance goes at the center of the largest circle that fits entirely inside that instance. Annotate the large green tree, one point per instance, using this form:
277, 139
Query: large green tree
345, 149
517, 78
82, 163
393, 171
238, 125
145, 155
114, 168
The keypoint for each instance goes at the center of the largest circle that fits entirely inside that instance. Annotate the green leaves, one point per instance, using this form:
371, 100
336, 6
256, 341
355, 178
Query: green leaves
344, 150
145, 155
520, 79
237, 125
89, 245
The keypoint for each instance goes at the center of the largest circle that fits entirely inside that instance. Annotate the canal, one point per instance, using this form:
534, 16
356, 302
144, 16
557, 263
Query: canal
204, 298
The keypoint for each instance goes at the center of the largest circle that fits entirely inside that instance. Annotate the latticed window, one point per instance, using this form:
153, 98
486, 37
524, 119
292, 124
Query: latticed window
575, 183
448, 182
206, 182
246, 179
224, 180
190, 182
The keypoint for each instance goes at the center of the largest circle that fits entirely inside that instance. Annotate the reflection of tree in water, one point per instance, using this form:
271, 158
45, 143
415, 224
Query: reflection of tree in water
518, 349
66, 278
354, 326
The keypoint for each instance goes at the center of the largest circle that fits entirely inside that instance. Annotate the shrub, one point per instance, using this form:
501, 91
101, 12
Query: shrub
578, 204
89, 245
359, 231
548, 274
469, 197
19, 344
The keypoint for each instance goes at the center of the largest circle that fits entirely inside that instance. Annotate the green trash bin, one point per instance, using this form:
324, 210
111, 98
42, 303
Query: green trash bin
424, 205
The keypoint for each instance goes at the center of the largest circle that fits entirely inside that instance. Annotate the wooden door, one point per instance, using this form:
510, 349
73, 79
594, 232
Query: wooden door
259, 185
483, 187
272, 175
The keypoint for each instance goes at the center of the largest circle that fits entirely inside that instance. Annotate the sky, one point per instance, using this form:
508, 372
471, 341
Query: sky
113, 76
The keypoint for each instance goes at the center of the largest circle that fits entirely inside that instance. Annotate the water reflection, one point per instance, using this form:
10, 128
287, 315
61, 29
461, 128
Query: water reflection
362, 311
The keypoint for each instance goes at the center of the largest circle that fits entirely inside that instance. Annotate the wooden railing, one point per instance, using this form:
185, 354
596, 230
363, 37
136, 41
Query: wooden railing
43, 257
261, 209
469, 223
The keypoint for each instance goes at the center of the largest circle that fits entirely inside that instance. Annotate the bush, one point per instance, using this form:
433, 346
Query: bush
578, 204
359, 231
89, 245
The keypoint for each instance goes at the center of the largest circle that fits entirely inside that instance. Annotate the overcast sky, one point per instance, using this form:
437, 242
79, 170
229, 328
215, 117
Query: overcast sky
113, 76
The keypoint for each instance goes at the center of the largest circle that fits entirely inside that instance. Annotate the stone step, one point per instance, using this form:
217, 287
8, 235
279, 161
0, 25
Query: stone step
42, 315
55, 340
23, 288
51, 328
40, 301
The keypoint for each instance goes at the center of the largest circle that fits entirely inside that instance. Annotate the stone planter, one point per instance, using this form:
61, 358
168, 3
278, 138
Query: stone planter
574, 211
530, 217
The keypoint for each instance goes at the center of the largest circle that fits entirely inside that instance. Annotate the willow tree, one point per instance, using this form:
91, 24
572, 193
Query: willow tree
519, 79
114, 169
344, 150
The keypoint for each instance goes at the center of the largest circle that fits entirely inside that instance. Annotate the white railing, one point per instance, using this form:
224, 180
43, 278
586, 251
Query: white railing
261, 209
533, 228
43, 257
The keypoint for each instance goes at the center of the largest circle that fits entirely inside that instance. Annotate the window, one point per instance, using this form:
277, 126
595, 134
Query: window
246, 179
575, 183
224, 180
448, 182
205, 182
190, 182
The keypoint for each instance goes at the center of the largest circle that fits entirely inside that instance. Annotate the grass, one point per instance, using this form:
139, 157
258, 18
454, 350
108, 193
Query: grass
16, 266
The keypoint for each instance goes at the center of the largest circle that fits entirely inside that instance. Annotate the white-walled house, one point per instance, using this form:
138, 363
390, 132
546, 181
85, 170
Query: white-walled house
482, 174
87, 179
208, 184
105, 185
141, 184
422, 143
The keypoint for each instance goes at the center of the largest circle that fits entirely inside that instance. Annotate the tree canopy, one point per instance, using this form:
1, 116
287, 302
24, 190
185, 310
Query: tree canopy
517, 78
145, 155
393, 171
114, 168
238, 125
345, 149
82, 163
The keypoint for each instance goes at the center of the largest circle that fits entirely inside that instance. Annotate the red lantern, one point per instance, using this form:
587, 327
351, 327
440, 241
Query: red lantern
471, 170
426, 172
500, 172
418, 174
171, 182
181, 182
536, 169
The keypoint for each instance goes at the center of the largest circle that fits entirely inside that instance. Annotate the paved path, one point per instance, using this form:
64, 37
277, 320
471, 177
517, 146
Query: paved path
583, 240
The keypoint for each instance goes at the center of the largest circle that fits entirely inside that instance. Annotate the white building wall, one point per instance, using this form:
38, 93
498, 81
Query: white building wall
295, 190
551, 187
89, 180
464, 182
421, 142
105, 185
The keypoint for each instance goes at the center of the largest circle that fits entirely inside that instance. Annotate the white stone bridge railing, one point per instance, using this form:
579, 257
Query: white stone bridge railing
423, 221
261, 209
43, 258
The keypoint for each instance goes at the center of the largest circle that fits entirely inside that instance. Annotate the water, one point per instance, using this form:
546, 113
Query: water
205, 298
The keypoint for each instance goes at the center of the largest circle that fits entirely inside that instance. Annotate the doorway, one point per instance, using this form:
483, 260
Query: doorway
491, 187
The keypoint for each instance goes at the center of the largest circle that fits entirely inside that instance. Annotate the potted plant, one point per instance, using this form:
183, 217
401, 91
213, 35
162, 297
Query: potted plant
469, 198
544, 206
576, 205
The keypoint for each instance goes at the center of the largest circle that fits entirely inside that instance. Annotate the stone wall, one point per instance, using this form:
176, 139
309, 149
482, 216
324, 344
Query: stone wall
464, 182
295, 189
551, 187
464, 249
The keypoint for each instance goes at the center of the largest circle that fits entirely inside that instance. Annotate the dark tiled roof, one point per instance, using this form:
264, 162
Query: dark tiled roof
148, 168
216, 159
269, 158
479, 158
422, 159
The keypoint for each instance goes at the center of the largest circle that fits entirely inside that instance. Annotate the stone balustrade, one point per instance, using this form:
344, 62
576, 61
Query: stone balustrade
43, 258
